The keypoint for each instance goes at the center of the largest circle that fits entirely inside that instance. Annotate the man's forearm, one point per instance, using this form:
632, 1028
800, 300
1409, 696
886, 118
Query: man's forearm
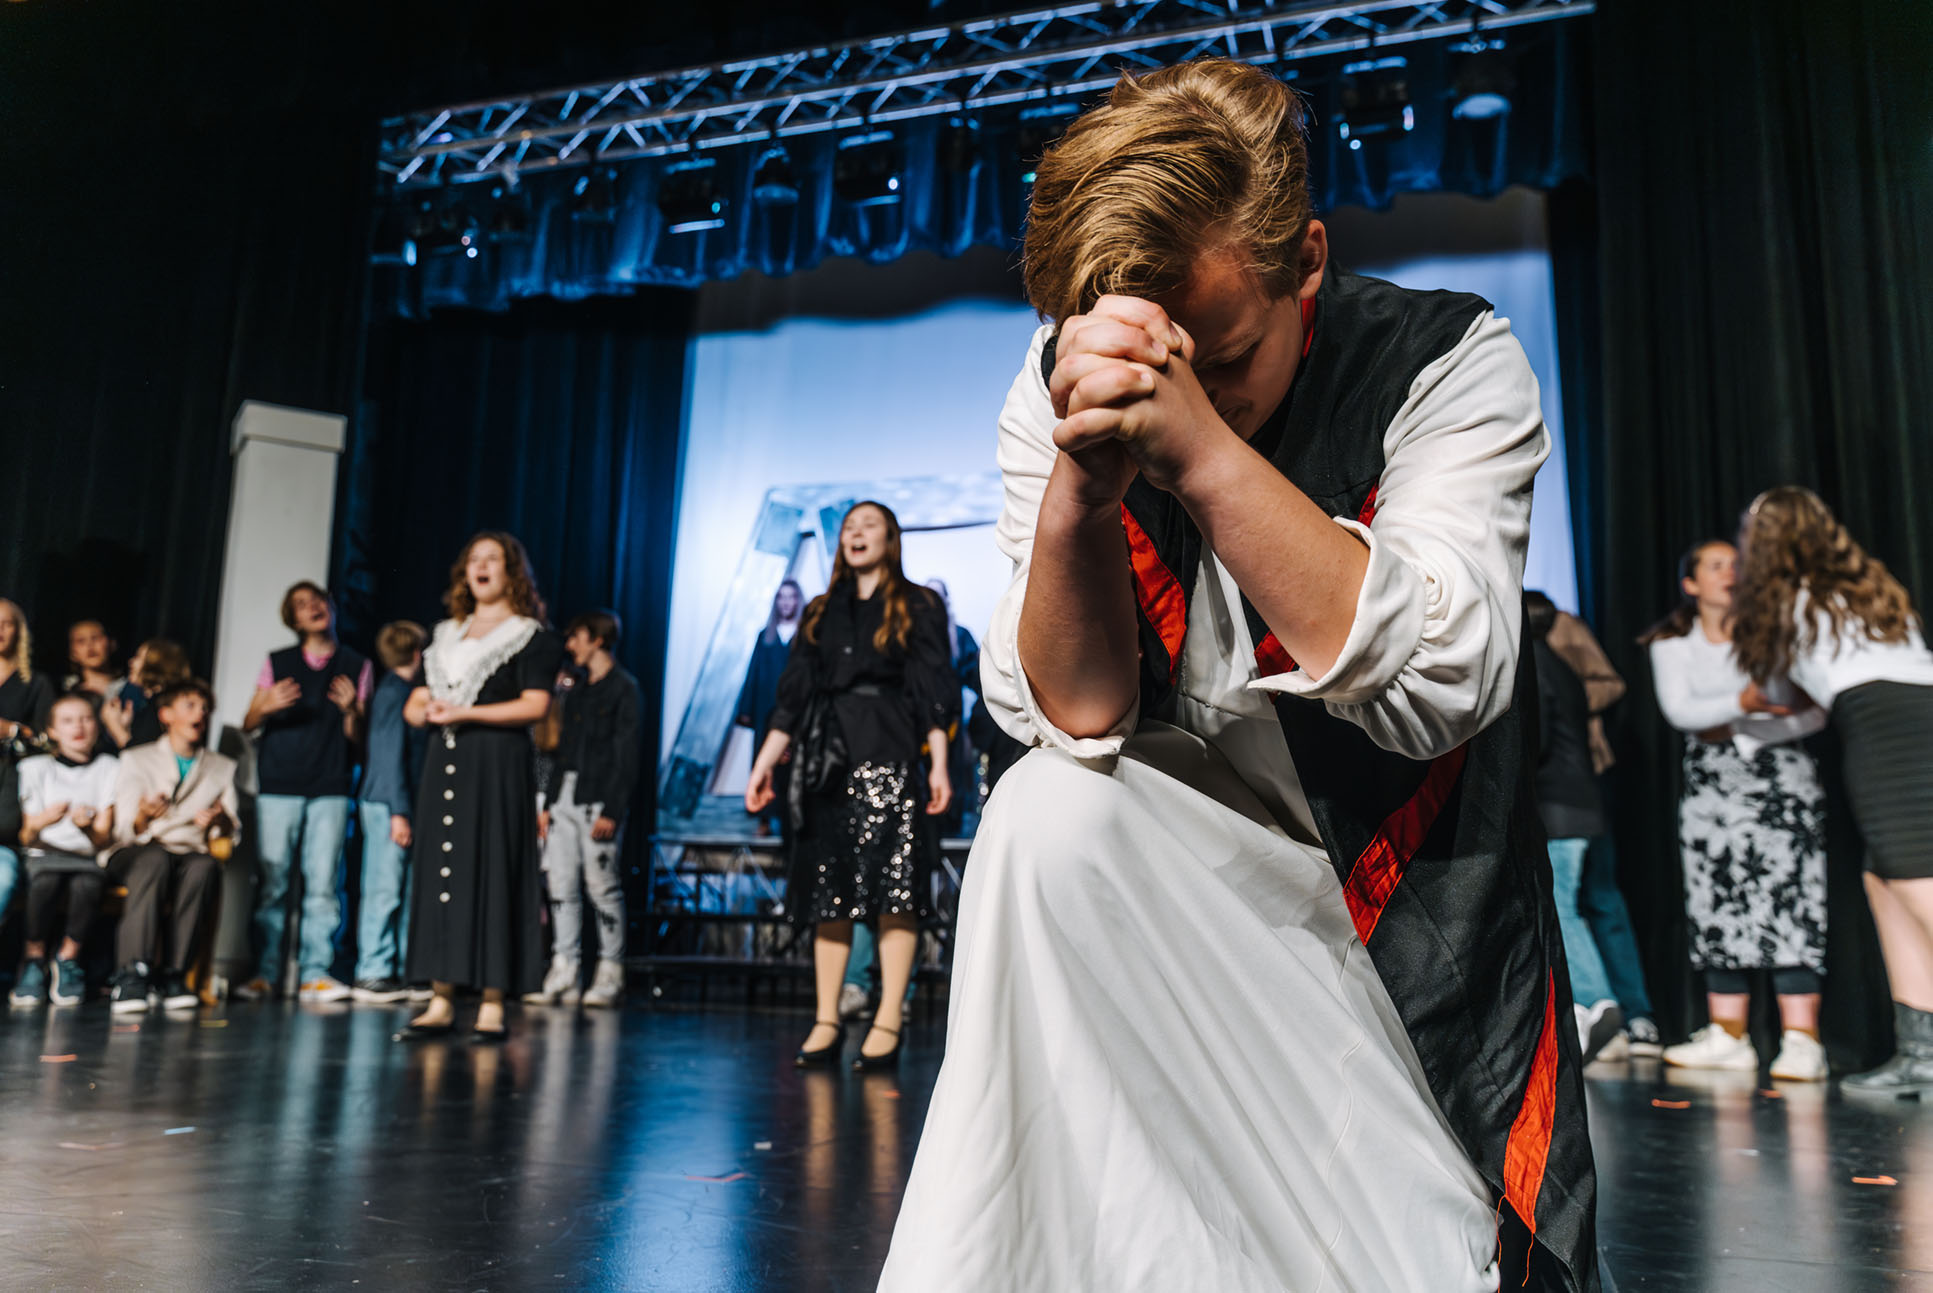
1301, 570
1077, 626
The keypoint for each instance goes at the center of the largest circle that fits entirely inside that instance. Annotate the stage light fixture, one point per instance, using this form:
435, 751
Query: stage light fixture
960, 146
1375, 101
594, 196
1484, 81
689, 198
509, 219
394, 242
866, 170
1039, 128
773, 184
446, 228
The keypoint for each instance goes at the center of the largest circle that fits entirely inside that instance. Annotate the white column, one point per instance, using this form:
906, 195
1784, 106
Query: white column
281, 515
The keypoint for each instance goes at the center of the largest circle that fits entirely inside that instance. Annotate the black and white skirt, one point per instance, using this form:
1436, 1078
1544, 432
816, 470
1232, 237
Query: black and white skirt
1887, 728
863, 852
1753, 835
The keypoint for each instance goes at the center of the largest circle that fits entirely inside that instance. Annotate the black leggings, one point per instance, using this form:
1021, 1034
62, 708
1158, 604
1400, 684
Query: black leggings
1787, 981
79, 891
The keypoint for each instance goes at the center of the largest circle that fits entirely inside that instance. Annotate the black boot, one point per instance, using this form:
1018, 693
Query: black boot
1910, 1071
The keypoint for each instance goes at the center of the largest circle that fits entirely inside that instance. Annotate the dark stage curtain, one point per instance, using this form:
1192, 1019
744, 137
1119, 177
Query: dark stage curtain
1766, 267
166, 255
559, 423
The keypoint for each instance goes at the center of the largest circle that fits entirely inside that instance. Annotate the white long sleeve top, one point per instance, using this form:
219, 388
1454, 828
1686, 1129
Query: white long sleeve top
1839, 662
1697, 683
1431, 654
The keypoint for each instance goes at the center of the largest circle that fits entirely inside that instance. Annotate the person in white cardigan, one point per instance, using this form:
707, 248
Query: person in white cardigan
175, 810
1816, 607
1751, 824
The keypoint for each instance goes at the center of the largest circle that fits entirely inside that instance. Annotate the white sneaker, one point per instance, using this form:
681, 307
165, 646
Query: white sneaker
560, 985
1646, 1044
1711, 1047
324, 988
852, 1001
607, 984
1800, 1059
1618, 1048
1597, 1024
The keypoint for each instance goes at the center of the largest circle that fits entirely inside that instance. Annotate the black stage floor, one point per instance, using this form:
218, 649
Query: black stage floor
276, 1147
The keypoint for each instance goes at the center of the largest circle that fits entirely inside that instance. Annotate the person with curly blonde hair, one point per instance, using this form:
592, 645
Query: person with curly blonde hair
1259, 982
1815, 607
477, 908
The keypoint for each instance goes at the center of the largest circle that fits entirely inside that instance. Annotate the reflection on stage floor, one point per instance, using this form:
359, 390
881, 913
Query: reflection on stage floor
281, 1147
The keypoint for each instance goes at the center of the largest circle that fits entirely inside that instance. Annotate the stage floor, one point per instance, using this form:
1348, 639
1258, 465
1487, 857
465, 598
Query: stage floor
280, 1147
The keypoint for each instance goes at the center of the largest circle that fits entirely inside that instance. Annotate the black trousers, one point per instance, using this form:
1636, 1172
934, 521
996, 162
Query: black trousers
79, 892
157, 879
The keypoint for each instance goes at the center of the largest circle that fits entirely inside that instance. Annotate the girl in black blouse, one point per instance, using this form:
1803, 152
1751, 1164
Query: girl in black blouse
870, 676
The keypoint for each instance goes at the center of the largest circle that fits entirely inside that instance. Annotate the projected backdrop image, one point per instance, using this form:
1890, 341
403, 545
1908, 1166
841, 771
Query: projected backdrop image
799, 408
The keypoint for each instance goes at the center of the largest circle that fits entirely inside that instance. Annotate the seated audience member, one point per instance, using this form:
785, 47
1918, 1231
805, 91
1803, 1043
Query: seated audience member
24, 705
90, 656
155, 666
1573, 813
307, 712
596, 770
175, 811
388, 798
67, 819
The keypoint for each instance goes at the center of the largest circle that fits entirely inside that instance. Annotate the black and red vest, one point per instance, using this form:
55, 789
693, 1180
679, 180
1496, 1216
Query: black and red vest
1442, 861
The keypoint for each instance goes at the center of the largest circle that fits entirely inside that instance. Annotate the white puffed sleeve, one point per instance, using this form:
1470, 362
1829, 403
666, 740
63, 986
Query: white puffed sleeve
1027, 453
1431, 656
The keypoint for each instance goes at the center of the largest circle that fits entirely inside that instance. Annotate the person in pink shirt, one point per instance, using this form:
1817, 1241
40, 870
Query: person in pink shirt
307, 716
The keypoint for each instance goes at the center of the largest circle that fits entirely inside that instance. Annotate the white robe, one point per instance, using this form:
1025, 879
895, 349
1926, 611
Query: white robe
1170, 1062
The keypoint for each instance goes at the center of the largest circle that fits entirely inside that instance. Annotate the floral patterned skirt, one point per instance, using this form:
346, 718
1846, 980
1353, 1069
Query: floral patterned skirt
1753, 834
863, 853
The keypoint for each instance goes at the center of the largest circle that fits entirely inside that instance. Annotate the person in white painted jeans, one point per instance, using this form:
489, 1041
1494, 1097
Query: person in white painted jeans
595, 770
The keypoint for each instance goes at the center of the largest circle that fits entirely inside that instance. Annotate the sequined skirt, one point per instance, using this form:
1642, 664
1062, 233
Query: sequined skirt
861, 854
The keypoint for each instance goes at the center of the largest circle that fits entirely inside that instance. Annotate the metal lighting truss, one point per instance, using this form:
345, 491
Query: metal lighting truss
1029, 57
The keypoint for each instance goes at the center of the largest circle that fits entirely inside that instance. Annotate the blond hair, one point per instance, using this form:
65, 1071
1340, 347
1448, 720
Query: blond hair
1791, 541
23, 642
1179, 161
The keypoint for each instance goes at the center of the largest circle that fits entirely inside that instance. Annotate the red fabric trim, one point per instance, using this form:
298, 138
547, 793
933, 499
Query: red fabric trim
1528, 1148
1156, 589
1270, 656
1380, 867
1308, 325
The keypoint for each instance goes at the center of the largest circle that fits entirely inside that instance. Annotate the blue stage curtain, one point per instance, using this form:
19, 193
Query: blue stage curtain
956, 199
558, 423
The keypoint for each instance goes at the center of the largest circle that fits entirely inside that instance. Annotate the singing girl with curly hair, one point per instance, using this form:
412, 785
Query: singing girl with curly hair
479, 899
1815, 607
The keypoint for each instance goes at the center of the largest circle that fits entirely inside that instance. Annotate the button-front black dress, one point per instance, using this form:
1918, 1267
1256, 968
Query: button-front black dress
478, 892
866, 848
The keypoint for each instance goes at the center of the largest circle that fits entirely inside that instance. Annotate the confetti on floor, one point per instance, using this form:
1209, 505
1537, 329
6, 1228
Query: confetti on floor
1874, 1180
1671, 1104
177, 1131
58, 1059
718, 1180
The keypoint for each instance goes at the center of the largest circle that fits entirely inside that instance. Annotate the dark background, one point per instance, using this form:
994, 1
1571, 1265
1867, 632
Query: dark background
1743, 257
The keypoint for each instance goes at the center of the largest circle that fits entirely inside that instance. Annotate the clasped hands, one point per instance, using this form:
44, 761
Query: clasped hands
1125, 389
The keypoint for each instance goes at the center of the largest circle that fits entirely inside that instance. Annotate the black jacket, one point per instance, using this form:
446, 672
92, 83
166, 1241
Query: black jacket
601, 740
1442, 861
1567, 793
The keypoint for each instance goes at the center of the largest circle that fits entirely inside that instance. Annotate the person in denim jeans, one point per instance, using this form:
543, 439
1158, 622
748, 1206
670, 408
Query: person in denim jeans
1573, 814
388, 796
308, 712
